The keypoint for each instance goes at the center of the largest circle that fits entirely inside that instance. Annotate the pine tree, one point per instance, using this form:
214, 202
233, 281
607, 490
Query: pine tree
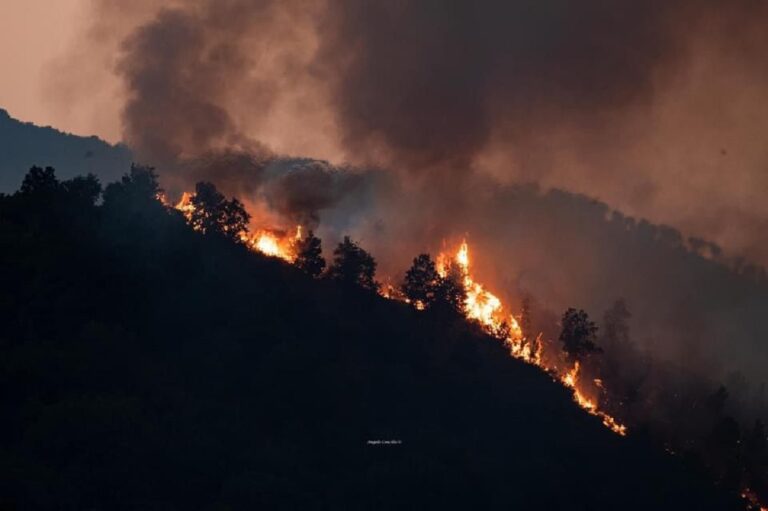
578, 335
215, 215
422, 282
353, 265
309, 256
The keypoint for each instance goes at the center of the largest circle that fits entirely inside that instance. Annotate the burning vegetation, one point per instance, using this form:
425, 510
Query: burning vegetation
573, 359
449, 280
201, 224
486, 308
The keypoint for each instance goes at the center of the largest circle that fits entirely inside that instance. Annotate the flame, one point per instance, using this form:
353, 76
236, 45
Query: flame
270, 242
487, 309
571, 380
480, 305
274, 243
185, 205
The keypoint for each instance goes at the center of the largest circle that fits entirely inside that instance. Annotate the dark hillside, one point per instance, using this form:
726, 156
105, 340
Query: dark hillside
146, 366
23, 144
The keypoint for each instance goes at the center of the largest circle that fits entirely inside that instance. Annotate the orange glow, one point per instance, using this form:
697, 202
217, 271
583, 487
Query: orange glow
185, 205
480, 305
270, 242
273, 243
571, 380
487, 309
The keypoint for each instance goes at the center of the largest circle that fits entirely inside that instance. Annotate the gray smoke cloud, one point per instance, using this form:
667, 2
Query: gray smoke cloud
655, 107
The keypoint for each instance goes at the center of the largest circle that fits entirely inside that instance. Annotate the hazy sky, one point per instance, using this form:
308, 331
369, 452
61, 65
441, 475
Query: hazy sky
32, 34
658, 107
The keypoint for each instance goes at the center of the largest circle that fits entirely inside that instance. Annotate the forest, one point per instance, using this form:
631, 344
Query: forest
151, 361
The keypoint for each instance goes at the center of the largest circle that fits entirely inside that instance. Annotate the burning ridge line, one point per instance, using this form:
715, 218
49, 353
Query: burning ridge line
480, 305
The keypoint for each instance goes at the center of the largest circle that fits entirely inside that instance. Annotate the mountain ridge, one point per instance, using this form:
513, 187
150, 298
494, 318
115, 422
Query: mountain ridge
147, 366
24, 144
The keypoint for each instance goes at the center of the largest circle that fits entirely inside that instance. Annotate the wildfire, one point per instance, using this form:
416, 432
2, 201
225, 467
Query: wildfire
273, 243
185, 205
571, 380
486, 308
480, 305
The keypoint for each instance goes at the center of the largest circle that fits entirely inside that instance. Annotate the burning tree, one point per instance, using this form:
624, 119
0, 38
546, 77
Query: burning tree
309, 256
422, 282
353, 265
425, 285
211, 213
451, 291
578, 335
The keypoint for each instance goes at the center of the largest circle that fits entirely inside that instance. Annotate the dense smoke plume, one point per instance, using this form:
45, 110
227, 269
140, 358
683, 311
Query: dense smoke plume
655, 107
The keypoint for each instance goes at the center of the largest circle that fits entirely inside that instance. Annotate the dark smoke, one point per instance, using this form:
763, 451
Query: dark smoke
656, 107
173, 73
429, 79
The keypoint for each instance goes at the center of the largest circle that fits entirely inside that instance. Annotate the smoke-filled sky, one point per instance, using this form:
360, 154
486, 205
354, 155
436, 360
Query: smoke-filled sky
659, 108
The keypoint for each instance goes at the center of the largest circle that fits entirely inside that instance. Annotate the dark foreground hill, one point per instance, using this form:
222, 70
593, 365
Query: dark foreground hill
145, 366
25, 144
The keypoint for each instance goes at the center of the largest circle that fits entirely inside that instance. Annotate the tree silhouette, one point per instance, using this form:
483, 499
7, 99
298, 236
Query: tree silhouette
91, 292
83, 189
422, 282
578, 335
309, 256
214, 215
353, 265
137, 192
40, 182
451, 292
59, 205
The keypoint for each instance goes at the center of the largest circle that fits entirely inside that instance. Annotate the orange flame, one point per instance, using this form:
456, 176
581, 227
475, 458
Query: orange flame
480, 305
273, 243
185, 205
486, 308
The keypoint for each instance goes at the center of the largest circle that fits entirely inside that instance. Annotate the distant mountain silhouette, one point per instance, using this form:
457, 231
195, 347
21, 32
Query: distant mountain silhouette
24, 144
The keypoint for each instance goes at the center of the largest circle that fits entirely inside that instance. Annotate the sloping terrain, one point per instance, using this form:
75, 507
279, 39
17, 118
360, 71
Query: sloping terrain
25, 144
145, 366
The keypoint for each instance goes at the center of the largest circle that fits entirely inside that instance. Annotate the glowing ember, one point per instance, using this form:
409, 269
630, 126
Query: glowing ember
750, 496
